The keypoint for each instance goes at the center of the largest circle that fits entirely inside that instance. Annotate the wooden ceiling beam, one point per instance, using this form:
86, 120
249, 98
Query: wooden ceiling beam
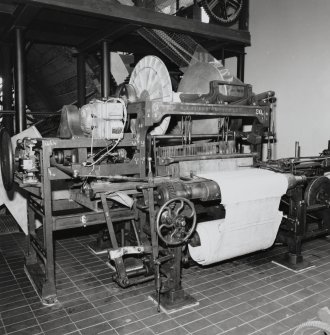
22, 16
52, 38
145, 17
25, 15
106, 34
6, 8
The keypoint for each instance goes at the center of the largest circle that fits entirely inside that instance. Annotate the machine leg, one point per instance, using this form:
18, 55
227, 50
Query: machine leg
101, 244
174, 298
40, 263
293, 259
31, 255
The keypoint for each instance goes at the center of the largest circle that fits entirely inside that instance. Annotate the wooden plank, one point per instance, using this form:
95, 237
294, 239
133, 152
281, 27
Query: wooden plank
24, 16
145, 17
7, 8
52, 38
106, 34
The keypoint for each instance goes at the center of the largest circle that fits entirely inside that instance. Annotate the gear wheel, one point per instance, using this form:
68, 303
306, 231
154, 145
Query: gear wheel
166, 192
224, 11
171, 192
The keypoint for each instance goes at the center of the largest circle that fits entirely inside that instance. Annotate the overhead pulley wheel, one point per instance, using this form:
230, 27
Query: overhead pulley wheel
318, 191
6, 159
224, 11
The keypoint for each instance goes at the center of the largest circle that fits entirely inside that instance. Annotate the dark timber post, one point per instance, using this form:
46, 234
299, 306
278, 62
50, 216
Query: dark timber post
20, 82
7, 87
241, 65
81, 79
105, 82
243, 23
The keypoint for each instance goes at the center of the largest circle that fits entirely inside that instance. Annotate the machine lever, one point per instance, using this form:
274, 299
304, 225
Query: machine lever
109, 221
121, 276
158, 285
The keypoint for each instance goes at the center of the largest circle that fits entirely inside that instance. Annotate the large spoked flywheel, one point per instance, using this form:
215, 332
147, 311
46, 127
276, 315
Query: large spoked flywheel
224, 11
6, 159
152, 82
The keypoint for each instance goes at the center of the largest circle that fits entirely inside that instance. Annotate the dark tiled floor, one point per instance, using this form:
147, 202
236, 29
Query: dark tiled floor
249, 295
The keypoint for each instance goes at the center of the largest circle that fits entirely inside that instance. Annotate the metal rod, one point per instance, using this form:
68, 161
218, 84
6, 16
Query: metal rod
105, 80
297, 150
114, 177
7, 88
180, 136
7, 112
20, 81
176, 159
136, 232
81, 80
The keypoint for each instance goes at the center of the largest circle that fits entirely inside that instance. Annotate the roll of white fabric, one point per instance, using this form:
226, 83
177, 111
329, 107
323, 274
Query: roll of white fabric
251, 199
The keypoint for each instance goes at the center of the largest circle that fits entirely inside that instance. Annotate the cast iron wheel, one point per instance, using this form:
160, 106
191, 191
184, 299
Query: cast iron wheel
224, 11
318, 191
176, 221
6, 159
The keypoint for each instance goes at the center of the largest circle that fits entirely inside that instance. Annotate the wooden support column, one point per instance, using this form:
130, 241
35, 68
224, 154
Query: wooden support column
20, 104
243, 23
7, 87
81, 79
241, 66
197, 11
105, 80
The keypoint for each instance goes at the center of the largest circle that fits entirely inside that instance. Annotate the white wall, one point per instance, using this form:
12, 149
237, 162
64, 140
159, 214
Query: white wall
290, 54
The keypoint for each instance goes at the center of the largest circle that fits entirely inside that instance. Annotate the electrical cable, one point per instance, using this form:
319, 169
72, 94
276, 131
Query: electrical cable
119, 137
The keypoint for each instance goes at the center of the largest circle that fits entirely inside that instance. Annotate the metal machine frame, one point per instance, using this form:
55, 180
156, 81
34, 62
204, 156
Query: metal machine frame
40, 202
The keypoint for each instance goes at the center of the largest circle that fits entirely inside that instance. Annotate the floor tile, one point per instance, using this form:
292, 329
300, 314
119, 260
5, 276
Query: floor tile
21, 325
62, 330
247, 295
210, 330
94, 320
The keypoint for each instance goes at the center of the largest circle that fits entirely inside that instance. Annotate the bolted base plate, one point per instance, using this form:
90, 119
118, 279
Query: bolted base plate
95, 248
169, 305
293, 262
33, 273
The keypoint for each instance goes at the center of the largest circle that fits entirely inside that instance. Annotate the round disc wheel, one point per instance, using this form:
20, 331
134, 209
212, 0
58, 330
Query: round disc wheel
318, 191
196, 80
6, 159
152, 82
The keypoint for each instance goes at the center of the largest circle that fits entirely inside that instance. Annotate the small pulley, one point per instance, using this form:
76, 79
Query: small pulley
6, 159
318, 192
176, 221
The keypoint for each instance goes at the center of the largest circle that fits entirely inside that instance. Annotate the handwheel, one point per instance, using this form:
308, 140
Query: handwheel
6, 159
176, 221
